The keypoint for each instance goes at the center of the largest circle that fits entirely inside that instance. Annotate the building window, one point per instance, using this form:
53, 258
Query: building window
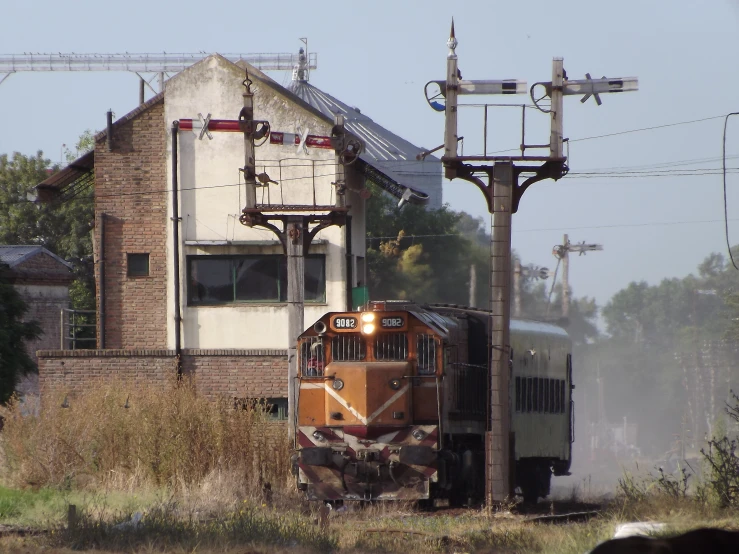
137, 265
229, 279
276, 409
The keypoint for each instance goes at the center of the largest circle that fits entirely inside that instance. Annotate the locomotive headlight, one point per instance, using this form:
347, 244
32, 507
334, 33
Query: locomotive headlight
368, 328
368, 317
394, 384
320, 437
338, 384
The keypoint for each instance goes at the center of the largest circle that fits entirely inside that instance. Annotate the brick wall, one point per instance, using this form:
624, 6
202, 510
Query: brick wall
230, 373
130, 188
71, 371
238, 373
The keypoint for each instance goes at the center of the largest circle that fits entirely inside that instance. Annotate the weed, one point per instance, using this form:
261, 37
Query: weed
121, 436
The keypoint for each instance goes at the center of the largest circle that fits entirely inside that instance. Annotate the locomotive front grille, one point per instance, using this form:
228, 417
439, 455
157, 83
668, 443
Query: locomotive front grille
426, 353
348, 347
391, 347
312, 356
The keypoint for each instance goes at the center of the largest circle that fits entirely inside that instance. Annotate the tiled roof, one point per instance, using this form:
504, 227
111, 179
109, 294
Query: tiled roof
12, 255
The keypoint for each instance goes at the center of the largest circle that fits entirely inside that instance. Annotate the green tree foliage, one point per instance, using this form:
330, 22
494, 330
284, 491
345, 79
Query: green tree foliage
416, 254
14, 359
670, 356
431, 255
62, 227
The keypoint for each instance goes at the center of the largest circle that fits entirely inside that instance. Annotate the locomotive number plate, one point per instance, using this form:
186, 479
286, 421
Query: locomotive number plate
392, 322
345, 322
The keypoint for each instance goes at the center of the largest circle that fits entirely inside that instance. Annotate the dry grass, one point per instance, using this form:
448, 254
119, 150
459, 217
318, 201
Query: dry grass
124, 437
197, 469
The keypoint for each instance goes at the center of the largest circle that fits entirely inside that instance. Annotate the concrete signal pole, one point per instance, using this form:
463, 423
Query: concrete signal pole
503, 193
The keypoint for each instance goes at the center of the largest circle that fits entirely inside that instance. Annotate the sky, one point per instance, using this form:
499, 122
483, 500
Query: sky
378, 56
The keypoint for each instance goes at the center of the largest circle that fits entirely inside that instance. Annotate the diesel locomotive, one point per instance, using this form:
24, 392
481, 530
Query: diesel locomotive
393, 403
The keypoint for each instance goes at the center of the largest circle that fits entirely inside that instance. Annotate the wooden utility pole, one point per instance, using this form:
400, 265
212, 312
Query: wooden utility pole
296, 230
562, 252
517, 270
566, 278
473, 286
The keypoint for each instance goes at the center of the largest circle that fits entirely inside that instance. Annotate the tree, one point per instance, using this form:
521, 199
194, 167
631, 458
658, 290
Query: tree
62, 227
14, 359
416, 254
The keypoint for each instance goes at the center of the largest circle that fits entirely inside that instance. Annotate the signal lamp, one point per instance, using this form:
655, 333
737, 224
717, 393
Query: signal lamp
368, 317
394, 384
368, 328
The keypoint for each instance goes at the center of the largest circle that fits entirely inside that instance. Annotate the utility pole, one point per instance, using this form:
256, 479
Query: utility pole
562, 252
503, 193
517, 290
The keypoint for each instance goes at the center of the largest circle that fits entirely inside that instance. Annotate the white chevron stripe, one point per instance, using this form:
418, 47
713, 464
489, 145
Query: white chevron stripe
341, 401
387, 404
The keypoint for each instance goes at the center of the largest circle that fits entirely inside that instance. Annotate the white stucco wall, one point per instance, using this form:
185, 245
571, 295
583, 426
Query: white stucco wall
211, 202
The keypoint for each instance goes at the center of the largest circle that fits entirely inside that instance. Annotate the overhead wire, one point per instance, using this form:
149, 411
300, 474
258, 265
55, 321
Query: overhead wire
726, 208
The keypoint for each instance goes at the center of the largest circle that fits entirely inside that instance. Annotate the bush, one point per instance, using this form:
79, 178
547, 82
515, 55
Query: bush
125, 436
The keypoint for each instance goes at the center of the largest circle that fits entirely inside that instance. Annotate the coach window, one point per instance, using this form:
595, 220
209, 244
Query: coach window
518, 394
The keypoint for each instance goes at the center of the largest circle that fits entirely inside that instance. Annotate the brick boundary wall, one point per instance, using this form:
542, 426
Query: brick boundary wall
217, 373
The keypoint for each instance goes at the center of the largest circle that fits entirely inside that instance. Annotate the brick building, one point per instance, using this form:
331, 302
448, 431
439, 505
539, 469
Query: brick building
230, 287
42, 279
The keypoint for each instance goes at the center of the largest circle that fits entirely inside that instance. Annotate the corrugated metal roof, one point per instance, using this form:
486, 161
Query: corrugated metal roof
78, 168
391, 154
12, 255
539, 327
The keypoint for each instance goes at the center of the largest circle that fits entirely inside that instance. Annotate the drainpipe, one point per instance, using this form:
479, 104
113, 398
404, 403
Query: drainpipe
349, 264
109, 136
101, 260
176, 250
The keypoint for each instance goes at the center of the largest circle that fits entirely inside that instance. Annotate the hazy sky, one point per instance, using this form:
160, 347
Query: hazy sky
378, 55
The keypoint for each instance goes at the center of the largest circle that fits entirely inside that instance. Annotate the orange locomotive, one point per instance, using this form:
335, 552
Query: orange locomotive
392, 404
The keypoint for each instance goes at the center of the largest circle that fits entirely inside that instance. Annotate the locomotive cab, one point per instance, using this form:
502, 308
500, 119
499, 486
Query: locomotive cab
368, 406
393, 404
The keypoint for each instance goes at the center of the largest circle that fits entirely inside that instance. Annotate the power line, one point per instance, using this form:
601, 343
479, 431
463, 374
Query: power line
726, 209
569, 228
648, 128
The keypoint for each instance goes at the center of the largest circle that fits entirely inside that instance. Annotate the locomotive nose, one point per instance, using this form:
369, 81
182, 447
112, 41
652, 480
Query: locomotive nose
368, 393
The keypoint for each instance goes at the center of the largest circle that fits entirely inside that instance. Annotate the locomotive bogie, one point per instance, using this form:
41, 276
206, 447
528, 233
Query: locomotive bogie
368, 463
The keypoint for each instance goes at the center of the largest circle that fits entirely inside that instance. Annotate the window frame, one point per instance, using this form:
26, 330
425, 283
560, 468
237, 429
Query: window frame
280, 260
140, 255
